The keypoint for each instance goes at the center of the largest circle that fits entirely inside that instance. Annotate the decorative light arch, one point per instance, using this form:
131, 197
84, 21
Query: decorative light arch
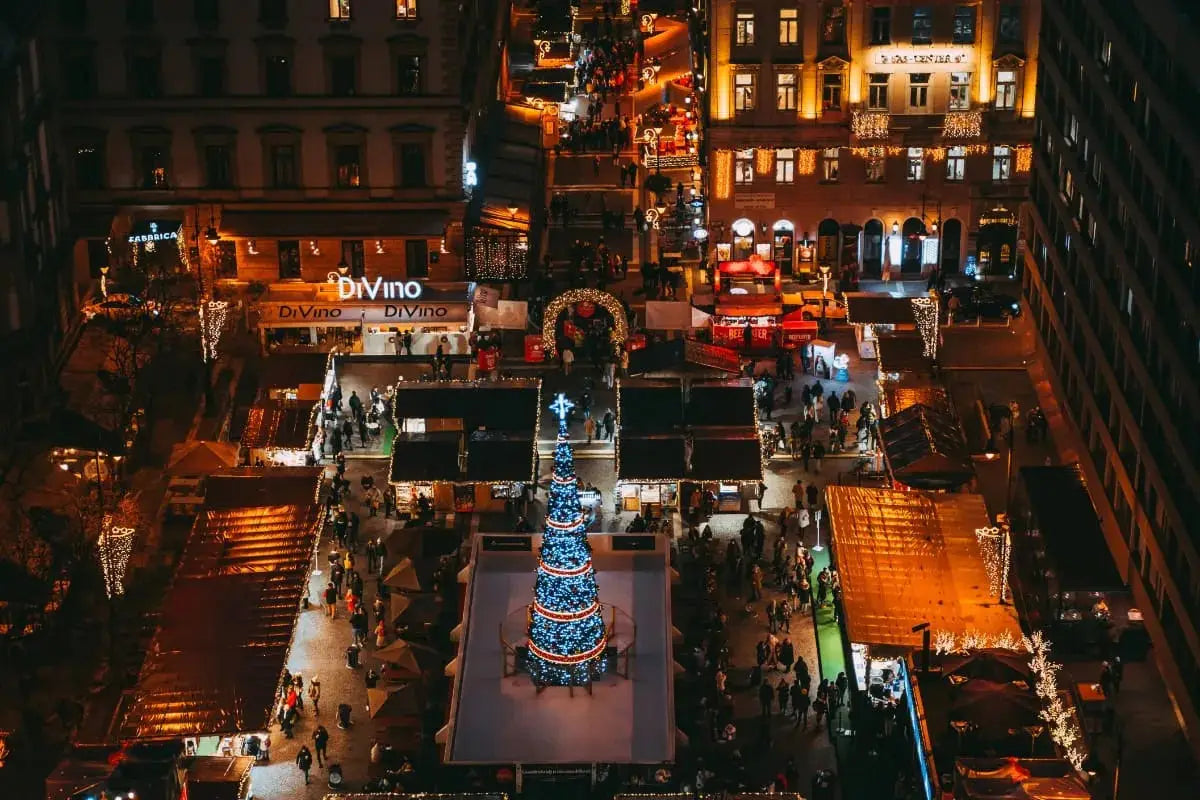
559, 304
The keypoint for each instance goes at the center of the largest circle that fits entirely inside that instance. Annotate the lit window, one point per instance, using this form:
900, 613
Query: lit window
876, 167
743, 29
918, 91
922, 25
964, 25
785, 165
916, 163
789, 27
831, 91
339, 9
960, 91
743, 91
1002, 161
1006, 89
829, 165
881, 25
877, 92
785, 91
1008, 30
348, 163
743, 167
406, 9
833, 26
956, 163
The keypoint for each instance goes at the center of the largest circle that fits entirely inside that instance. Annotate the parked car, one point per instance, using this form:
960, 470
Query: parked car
118, 306
810, 306
980, 301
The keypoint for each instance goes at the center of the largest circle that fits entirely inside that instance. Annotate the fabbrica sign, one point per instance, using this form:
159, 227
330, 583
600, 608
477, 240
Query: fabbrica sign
378, 289
154, 232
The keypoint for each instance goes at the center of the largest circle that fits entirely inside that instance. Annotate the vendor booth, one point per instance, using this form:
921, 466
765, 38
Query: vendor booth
925, 449
281, 433
295, 376
901, 353
875, 313
797, 329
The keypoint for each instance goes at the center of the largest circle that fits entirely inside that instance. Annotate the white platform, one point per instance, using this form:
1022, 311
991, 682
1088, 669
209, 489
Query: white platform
504, 720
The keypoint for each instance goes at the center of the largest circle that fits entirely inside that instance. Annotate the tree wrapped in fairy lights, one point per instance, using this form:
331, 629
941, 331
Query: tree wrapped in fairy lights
567, 637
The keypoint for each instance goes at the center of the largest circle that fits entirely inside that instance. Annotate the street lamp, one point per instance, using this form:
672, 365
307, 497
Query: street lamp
343, 268
895, 227
825, 271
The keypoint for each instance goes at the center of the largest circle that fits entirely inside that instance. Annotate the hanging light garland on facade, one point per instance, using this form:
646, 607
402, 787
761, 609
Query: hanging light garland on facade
806, 161
925, 313
996, 548
764, 160
213, 316
723, 169
963, 125
1023, 158
571, 296
866, 125
116, 547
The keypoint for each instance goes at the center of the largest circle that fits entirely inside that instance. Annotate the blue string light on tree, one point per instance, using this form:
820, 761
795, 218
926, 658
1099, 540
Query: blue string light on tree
567, 637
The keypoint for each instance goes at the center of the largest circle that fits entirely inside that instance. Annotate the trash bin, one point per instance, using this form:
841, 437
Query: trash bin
352, 657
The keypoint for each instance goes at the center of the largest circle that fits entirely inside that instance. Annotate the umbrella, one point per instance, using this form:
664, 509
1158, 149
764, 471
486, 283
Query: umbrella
998, 666
414, 609
994, 708
197, 457
405, 658
404, 577
396, 701
421, 541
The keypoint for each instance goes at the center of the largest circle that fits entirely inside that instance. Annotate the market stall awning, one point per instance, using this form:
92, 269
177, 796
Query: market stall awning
499, 456
925, 449
1061, 509
258, 486
878, 308
652, 458
721, 403
280, 425
362, 224
727, 455
898, 395
753, 266
649, 406
226, 625
902, 352
292, 370
666, 315
907, 558
426, 457
1018, 779
199, 457
510, 405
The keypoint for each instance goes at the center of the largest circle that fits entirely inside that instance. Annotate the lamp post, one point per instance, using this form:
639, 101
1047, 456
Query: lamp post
825, 271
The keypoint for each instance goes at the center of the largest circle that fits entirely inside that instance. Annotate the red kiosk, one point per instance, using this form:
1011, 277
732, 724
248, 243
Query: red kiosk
748, 305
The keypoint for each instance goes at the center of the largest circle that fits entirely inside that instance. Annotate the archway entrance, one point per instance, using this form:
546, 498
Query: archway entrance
828, 232
997, 243
743, 239
951, 246
783, 245
872, 248
910, 257
582, 305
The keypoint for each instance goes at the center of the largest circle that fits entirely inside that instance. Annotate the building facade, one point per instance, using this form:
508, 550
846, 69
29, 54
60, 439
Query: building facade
285, 140
870, 134
38, 301
1112, 233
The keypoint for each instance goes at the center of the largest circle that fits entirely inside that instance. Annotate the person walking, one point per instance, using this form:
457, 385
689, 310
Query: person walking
800, 704
314, 696
304, 761
568, 358
331, 596
787, 654
380, 634
589, 428
320, 744
782, 692
818, 453
840, 685
766, 696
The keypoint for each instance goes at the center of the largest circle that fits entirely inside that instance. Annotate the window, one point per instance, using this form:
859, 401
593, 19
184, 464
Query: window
406, 9
743, 167
206, 12
1006, 89
139, 12
218, 172
283, 166
743, 28
89, 167
79, 74
408, 75
154, 167
833, 26
831, 91
956, 163
876, 165
210, 76
918, 91
1002, 160
881, 25
343, 76
145, 75
960, 91
829, 165
877, 91
227, 258
289, 259
743, 91
352, 256
279, 76
785, 165
789, 27
785, 91
416, 258
916, 163
412, 165
339, 9
964, 25
922, 25
347, 164
1008, 30
272, 12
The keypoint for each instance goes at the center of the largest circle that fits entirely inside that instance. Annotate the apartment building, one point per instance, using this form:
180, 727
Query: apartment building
275, 141
1111, 246
870, 133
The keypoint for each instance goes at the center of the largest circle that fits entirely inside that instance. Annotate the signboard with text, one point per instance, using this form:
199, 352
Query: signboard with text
921, 60
382, 313
711, 355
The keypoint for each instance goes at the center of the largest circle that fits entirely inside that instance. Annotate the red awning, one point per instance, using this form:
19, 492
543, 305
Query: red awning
753, 266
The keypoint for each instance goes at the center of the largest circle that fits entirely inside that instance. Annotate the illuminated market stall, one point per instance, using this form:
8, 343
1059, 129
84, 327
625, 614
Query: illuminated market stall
281, 433
872, 314
923, 448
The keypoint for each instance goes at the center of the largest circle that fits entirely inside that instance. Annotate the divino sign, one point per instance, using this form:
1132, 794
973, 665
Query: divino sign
378, 289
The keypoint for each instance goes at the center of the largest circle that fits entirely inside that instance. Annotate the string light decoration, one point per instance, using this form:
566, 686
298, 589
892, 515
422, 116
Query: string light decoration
925, 313
996, 548
1063, 728
963, 125
945, 642
495, 255
722, 165
116, 547
867, 125
567, 635
806, 161
869, 152
213, 316
936, 154
764, 160
571, 296
1024, 158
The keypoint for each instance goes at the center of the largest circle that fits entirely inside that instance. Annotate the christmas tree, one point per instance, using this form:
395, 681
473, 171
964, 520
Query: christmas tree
566, 629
